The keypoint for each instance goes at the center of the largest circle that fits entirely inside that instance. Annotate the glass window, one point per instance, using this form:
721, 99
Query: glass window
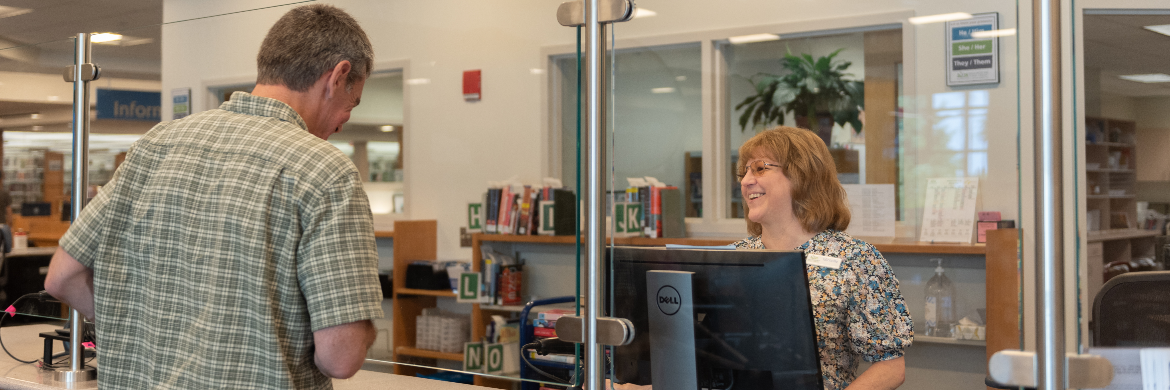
836, 78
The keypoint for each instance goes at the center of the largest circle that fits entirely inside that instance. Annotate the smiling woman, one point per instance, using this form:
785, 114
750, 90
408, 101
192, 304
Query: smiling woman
794, 201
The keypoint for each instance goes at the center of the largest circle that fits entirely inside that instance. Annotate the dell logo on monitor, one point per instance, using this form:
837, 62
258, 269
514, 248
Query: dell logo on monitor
669, 301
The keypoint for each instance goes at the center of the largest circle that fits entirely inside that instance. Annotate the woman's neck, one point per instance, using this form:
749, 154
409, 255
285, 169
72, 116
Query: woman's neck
786, 236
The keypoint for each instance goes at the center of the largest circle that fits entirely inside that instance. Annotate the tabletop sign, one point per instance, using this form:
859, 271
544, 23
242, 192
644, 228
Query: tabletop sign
468, 288
871, 207
949, 215
473, 357
474, 217
973, 50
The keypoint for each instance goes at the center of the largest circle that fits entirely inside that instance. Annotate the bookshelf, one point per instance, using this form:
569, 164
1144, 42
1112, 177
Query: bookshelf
1110, 198
413, 240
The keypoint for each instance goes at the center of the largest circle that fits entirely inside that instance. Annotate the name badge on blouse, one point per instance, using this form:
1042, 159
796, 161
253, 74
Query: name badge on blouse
823, 261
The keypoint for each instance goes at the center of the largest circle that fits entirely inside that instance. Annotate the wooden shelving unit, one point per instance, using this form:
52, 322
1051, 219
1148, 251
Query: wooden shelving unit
1111, 202
413, 240
423, 353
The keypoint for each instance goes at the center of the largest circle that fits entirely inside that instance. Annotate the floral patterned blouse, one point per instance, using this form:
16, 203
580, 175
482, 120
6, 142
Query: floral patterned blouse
858, 309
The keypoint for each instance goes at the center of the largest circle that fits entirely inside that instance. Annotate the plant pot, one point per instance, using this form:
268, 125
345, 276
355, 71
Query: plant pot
823, 126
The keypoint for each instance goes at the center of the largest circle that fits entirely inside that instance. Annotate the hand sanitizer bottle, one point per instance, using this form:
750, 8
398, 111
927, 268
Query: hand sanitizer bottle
940, 303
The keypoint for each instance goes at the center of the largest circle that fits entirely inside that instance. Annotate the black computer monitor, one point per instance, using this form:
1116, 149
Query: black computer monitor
753, 325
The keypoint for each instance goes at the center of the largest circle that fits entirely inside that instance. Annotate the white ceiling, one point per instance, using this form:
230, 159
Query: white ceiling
38, 41
1118, 45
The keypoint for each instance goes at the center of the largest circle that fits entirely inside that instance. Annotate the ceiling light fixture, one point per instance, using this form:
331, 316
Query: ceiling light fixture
643, 13
1147, 78
753, 38
1163, 29
418, 81
386, 128
34, 116
662, 90
536, 71
104, 37
994, 33
38, 128
940, 18
6, 12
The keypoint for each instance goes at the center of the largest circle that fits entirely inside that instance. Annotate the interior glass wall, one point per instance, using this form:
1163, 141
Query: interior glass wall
1120, 99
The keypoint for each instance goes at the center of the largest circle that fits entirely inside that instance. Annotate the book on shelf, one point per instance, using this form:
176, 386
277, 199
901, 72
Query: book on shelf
516, 209
492, 202
553, 357
504, 223
662, 208
540, 331
502, 278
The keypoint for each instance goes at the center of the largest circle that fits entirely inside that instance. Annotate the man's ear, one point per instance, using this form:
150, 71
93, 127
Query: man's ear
338, 76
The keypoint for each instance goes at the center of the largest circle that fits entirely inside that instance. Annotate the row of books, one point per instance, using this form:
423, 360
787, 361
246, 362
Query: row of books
502, 277
524, 210
660, 212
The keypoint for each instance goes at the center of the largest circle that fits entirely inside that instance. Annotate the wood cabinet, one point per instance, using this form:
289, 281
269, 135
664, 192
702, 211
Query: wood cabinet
1110, 173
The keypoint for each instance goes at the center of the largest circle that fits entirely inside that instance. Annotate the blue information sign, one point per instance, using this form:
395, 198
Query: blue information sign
129, 105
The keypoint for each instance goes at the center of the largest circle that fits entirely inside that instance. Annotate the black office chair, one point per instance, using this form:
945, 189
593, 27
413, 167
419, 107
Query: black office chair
1133, 310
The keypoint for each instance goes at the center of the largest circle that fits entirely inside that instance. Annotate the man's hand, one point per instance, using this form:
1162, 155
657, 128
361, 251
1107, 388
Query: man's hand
71, 282
341, 350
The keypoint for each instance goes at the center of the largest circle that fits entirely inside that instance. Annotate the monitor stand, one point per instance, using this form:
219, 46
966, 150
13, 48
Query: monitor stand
672, 330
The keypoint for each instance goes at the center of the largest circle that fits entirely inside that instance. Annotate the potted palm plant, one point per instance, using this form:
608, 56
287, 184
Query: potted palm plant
818, 92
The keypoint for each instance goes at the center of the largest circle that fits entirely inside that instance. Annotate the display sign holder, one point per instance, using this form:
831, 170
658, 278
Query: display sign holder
973, 50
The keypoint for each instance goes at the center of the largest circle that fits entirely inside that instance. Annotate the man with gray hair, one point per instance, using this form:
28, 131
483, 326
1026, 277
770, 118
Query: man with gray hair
234, 248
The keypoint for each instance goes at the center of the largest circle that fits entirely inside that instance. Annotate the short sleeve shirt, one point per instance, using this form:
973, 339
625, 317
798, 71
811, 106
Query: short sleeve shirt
858, 310
222, 243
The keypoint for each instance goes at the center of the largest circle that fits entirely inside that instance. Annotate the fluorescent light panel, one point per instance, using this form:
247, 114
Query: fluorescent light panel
418, 81
663, 90
105, 37
940, 18
1163, 29
753, 38
1147, 78
12, 11
994, 33
386, 128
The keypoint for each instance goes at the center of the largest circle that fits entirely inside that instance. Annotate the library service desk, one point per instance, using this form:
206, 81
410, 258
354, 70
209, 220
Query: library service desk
24, 343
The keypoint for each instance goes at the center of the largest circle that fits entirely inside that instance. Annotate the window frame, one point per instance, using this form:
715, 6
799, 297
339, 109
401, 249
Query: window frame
716, 220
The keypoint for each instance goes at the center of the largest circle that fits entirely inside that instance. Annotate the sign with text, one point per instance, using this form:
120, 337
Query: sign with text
468, 287
473, 357
871, 207
973, 50
181, 99
129, 105
949, 215
474, 217
627, 218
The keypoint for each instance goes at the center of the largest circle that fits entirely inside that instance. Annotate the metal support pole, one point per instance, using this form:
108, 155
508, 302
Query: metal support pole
83, 72
595, 196
1049, 203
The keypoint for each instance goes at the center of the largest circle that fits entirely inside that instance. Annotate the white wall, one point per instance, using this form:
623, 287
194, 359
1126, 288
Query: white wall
1153, 135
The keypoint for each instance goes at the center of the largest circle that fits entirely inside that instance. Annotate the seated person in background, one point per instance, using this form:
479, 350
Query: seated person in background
792, 200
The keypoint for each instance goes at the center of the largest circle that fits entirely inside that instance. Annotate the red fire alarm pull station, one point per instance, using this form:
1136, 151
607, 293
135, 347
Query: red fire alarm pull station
471, 85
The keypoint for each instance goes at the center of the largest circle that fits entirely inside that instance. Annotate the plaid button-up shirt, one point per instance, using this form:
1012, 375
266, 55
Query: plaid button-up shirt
223, 241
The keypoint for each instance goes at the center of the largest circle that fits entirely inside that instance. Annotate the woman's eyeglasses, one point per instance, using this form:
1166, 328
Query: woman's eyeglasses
757, 168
